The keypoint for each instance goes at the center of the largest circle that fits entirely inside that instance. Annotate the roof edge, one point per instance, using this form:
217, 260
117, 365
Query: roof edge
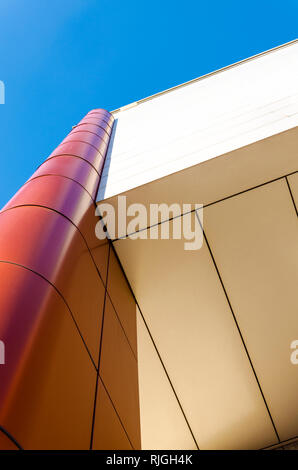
202, 77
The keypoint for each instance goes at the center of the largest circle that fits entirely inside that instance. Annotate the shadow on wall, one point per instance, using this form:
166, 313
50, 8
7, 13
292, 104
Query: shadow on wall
104, 179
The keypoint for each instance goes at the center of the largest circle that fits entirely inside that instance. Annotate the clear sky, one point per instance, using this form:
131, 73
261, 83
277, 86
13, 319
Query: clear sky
61, 58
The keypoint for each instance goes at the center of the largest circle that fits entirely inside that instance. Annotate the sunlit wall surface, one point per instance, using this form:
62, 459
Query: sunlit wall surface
216, 325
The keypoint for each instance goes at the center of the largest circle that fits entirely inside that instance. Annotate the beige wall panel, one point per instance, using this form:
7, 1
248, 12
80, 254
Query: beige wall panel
254, 241
293, 182
109, 434
119, 372
187, 313
162, 423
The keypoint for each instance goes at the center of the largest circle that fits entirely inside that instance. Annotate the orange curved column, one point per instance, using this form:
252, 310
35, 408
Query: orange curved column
52, 290
58, 386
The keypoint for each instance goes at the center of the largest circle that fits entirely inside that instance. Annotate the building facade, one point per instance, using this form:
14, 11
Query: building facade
132, 341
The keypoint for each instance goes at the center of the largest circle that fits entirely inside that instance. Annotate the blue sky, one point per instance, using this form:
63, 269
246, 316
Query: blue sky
61, 58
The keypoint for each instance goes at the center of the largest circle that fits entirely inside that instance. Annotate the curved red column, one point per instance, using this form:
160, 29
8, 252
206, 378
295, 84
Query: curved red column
52, 292
89, 145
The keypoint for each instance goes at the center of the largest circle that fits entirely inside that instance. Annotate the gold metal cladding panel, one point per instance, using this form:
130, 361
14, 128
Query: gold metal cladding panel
162, 422
293, 182
195, 333
109, 434
254, 237
122, 300
98, 248
119, 372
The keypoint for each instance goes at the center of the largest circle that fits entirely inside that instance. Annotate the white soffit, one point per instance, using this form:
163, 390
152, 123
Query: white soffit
206, 118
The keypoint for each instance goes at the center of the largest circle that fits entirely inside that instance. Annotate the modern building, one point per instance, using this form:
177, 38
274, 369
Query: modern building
135, 342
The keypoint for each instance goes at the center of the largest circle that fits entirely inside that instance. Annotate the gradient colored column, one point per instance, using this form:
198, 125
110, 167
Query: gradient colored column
57, 383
